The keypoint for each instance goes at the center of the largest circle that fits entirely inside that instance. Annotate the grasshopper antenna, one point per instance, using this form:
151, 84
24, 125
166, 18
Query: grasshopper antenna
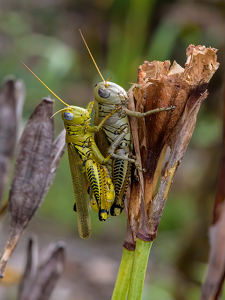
89, 51
45, 85
58, 111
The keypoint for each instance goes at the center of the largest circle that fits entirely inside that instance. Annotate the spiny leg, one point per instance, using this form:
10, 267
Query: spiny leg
121, 174
96, 179
138, 114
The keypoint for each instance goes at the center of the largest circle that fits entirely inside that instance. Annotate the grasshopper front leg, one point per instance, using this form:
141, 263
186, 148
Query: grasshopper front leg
94, 129
90, 107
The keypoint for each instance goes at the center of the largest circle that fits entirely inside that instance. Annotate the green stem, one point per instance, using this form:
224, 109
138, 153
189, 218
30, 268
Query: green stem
123, 277
139, 269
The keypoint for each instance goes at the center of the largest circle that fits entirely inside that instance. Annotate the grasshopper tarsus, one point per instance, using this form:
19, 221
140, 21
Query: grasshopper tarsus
103, 215
116, 210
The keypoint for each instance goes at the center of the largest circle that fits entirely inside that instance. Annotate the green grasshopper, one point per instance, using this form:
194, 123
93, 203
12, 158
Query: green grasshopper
83, 150
107, 97
86, 164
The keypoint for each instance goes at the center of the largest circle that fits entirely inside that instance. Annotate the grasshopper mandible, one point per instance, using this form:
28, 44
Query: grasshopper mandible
86, 163
107, 97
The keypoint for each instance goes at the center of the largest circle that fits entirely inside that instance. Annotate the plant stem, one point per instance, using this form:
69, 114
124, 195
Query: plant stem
9, 247
123, 276
139, 269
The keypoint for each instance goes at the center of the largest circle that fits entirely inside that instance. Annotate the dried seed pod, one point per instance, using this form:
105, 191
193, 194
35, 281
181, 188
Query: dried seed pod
37, 160
39, 281
11, 103
161, 86
32, 165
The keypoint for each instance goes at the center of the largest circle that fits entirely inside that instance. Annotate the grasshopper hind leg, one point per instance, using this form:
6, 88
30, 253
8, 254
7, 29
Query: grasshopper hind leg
102, 188
102, 213
121, 174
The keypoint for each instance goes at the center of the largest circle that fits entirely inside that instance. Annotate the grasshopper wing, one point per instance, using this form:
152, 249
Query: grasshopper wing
80, 191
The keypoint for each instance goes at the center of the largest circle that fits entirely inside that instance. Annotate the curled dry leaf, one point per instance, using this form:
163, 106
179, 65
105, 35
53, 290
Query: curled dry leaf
11, 103
36, 164
39, 281
160, 85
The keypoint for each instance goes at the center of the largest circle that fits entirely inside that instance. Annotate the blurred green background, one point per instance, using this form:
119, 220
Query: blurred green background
122, 34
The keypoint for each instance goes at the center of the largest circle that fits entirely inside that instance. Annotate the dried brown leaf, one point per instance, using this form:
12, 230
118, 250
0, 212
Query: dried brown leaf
161, 86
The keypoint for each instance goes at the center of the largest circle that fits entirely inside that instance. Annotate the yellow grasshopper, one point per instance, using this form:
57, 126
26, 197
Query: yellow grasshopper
86, 163
107, 97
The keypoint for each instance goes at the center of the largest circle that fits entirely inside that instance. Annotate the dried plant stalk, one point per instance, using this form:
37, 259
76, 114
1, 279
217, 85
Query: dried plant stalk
36, 164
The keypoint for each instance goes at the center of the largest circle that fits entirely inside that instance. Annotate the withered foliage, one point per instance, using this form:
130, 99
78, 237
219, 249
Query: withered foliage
11, 100
37, 160
160, 85
213, 284
39, 279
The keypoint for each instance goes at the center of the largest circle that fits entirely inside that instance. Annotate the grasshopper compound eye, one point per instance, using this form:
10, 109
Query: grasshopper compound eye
68, 116
103, 93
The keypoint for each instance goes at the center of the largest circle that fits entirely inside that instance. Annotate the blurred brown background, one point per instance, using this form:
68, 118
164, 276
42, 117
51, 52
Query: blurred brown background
121, 35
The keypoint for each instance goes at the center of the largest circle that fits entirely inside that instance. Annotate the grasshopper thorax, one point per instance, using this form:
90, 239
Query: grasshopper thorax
74, 115
110, 93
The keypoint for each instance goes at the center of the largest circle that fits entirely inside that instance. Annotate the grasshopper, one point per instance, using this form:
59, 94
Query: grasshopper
86, 163
107, 97
83, 150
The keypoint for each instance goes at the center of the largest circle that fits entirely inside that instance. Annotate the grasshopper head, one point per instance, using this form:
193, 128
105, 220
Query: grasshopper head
75, 115
109, 93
